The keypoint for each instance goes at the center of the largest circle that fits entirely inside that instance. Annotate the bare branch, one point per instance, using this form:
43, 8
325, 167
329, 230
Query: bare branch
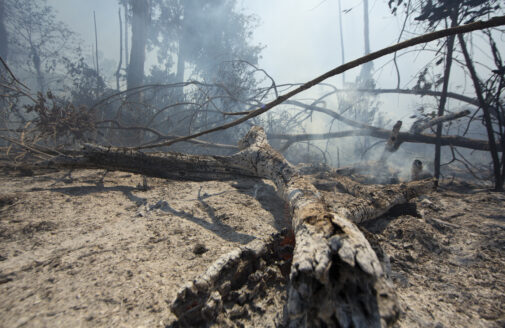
456, 141
418, 128
479, 25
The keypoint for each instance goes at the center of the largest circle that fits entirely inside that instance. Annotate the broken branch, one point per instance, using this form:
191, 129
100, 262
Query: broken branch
479, 25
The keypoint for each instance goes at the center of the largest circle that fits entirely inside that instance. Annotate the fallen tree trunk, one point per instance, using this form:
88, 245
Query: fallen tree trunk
335, 279
456, 141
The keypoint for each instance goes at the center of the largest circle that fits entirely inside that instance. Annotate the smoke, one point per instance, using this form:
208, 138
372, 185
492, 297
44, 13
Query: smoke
293, 41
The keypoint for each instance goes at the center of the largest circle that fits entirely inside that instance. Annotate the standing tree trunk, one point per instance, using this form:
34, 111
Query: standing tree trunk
179, 78
140, 22
341, 39
487, 116
443, 97
366, 70
38, 69
120, 64
126, 22
4, 48
135, 71
181, 61
96, 48
186, 34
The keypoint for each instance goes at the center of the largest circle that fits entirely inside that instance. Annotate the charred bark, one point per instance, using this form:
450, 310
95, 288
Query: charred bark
336, 278
393, 142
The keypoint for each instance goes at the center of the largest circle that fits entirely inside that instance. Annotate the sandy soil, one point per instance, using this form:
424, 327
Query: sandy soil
80, 249
88, 249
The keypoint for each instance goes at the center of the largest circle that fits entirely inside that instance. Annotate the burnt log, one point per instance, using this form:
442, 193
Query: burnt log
335, 280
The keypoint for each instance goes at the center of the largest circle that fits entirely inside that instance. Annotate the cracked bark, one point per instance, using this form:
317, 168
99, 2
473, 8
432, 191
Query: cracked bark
335, 279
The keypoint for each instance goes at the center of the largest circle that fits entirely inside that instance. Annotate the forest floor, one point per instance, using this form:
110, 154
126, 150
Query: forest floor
87, 249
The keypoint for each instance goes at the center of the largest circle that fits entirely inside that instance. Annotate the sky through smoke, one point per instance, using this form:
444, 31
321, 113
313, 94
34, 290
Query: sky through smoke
301, 39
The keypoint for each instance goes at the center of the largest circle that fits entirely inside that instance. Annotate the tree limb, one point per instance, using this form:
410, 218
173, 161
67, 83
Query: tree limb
336, 278
385, 134
479, 25
423, 125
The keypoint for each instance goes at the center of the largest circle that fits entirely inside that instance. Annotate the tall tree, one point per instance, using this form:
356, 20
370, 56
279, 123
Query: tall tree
37, 40
203, 33
342, 49
140, 23
366, 70
4, 48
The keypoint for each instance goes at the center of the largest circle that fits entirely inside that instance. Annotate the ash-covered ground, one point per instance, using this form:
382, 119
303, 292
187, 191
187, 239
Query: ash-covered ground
89, 249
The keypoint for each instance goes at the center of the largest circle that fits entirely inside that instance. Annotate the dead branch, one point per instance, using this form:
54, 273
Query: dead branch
393, 141
453, 95
162, 136
479, 25
368, 130
423, 125
335, 276
331, 113
4, 64
385, 134
236, 277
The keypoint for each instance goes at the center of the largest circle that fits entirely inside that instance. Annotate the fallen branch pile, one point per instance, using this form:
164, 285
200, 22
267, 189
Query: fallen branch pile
335, 277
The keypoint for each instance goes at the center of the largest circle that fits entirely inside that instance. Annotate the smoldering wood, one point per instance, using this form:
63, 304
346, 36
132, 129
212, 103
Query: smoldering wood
370, 200
325, 242
373, 201
200, 301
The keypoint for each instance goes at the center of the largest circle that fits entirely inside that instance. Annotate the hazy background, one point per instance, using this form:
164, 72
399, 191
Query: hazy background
301, 37
301, 40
